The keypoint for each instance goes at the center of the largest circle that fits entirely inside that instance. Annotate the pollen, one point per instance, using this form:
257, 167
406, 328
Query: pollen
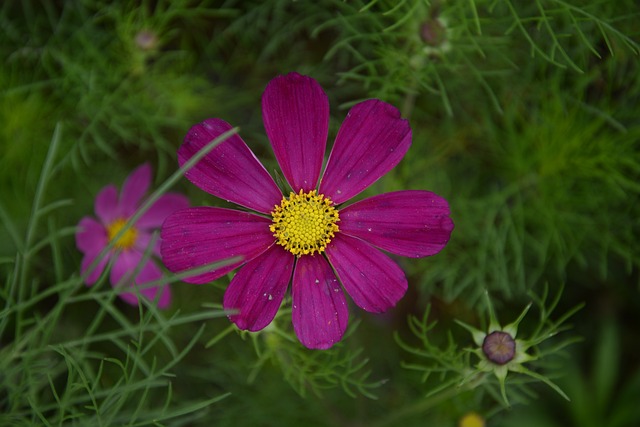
304, 223
126, 239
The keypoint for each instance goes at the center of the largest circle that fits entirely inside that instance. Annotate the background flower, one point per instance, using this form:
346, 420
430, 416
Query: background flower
128, 243
311, 222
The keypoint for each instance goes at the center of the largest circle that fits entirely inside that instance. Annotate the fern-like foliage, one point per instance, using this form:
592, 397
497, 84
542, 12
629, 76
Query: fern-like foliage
409, 51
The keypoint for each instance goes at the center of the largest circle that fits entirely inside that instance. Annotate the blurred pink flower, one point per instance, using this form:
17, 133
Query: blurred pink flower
308, 238
113, 212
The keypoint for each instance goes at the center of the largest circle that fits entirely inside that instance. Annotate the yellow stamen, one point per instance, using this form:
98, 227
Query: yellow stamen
127, 239
304, 223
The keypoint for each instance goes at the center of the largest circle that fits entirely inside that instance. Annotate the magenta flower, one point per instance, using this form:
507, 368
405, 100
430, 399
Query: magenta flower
308, 238
128, 251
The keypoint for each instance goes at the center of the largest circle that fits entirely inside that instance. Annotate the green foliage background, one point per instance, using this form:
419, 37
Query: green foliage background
525, 116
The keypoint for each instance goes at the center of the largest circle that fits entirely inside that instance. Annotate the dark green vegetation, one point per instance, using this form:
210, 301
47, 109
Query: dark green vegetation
525, 116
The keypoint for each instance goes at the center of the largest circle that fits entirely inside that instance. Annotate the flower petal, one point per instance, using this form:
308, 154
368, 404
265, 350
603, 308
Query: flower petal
256, 291
372, 140
196, 237
229, 171
409, 223
149, 273
146, 238
87, 261
372, 279
125, 265
319, 313
91, 236
161, 209
133, 189
164, 301
106, 204
295, 112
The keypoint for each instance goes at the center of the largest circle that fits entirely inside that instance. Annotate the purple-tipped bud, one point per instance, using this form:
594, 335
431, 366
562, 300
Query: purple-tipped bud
499, 347
146, 40
433, 32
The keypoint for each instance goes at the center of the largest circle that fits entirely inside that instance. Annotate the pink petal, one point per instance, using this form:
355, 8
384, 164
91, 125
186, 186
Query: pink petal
256, 291
408, 223
144, 239
124, 267
319, 313
87, 260
161, 209
165, 297
133, 189
129, 298
229, 171
196, 237
91, 236
371, 278
106, 204
149, 273
372, 140
295, 111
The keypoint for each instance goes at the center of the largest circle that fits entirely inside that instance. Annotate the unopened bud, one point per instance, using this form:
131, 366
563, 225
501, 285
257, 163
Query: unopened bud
499, 347
146, 40
433, 32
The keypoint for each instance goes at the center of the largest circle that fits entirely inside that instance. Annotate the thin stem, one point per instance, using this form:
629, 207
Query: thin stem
33, 224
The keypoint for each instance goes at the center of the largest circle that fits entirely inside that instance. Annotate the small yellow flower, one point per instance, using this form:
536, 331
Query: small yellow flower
471, 419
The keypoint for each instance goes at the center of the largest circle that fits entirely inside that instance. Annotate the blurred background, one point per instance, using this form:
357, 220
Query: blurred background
525, 117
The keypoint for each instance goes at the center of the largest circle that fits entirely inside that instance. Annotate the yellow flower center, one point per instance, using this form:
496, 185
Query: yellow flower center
127, 239
304, 223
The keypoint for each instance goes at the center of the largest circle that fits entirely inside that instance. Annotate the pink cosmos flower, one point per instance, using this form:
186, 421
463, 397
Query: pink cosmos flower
113, 212
308, 238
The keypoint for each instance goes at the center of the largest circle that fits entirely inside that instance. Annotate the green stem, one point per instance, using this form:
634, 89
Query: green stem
24, 258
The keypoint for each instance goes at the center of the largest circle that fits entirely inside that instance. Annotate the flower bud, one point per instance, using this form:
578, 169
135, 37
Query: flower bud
146, 40
433, 32
499, 347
